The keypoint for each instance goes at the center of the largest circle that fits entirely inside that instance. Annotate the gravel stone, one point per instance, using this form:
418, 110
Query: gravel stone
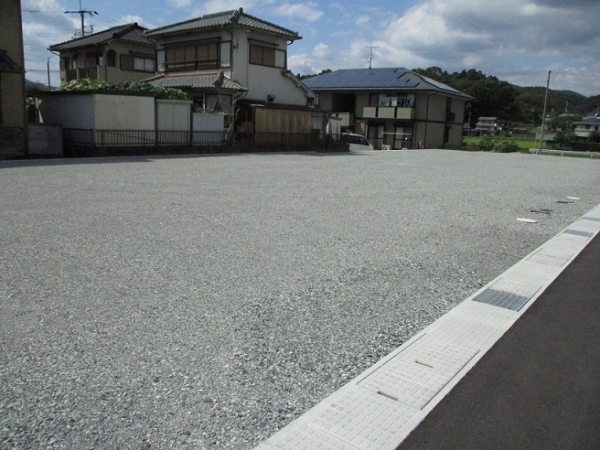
205, 302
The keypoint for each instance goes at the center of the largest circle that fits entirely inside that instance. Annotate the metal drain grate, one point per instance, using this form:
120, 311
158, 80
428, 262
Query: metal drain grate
503, 299
593, 219
579, 233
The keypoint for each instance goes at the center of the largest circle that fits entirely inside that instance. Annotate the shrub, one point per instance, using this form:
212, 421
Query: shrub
487, 144
90, 85
508, 147
594, 137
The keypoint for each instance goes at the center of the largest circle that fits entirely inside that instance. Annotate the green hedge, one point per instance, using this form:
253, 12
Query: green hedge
577, 146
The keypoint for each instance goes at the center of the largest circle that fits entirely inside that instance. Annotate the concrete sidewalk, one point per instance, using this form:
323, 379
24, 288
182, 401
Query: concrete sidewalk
539, 386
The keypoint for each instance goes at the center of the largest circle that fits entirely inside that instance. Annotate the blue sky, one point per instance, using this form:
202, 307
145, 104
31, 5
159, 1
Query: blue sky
515, 40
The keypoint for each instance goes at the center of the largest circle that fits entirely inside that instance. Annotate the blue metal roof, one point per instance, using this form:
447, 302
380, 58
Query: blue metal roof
396, 79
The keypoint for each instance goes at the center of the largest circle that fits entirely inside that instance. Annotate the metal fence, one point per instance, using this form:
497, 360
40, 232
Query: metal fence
141, 138
81, 142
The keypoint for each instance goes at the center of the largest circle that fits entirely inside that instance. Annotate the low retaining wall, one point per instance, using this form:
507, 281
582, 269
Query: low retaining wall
44, 140
12, 142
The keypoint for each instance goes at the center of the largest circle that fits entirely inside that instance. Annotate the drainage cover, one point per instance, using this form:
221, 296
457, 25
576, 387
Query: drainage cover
503, 299
579, 233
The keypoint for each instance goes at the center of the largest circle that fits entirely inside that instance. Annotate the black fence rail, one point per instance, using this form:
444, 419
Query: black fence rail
111, 138
81, 142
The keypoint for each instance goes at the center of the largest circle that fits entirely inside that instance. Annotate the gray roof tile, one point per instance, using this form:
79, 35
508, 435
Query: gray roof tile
221, 19
130, 32
193, 80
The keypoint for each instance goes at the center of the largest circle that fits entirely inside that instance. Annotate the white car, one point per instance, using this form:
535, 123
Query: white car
356, 141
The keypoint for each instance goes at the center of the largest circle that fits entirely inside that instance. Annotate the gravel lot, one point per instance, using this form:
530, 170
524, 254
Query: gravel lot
205, 302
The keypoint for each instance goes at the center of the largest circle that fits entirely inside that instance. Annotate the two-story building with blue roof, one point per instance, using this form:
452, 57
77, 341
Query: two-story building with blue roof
393, 107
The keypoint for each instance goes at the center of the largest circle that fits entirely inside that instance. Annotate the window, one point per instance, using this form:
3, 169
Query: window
198, 56
225, 54
263, 55
111, 58
137, 63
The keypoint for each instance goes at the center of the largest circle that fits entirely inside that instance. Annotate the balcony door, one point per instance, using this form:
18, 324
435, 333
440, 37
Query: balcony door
402, 138
375, 135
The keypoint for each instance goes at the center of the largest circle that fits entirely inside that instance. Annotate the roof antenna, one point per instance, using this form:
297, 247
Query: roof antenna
371, 47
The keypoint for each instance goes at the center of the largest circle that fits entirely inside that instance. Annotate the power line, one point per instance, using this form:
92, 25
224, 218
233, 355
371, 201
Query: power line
82, 13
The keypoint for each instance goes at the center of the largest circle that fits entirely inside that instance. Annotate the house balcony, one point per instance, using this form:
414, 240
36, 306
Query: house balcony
84, 72
388, 112
347, 119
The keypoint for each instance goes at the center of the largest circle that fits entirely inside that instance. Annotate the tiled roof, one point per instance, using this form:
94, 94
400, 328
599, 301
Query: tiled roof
397, 79
7, 64
193, 80
218, 20
130, 32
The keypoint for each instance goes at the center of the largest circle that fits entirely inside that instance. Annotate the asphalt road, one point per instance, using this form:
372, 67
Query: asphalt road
205, 302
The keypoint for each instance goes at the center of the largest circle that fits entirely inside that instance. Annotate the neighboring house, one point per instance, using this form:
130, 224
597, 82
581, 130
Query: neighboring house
487, 125
233, 61
13, 122
584, 127
115, 55
393, 107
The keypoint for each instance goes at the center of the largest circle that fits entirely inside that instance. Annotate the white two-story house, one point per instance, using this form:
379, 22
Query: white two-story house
234, 62
115, 55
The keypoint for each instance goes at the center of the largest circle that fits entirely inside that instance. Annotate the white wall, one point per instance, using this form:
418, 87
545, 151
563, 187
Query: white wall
68, 111
208, 122
173, 115
124, 112
265, 81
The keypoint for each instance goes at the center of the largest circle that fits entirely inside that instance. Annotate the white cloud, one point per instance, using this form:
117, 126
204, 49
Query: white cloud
137, 19
179, 4
299, 11
499, 39
362, 20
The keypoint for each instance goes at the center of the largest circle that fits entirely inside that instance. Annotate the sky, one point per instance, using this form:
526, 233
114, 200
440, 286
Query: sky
519, 41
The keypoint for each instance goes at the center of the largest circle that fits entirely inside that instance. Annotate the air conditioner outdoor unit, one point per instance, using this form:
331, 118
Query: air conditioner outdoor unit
386, 147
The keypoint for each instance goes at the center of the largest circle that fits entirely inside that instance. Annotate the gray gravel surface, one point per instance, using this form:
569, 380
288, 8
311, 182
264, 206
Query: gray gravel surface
205, 302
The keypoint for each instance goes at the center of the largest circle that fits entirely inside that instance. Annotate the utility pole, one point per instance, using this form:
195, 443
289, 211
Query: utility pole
370, 47
544, 114
82, 13
48, 69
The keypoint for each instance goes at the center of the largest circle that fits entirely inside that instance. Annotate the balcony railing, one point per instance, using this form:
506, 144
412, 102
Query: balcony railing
84, 72
388, 112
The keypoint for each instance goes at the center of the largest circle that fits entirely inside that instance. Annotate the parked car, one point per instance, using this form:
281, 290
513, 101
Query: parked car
356, 141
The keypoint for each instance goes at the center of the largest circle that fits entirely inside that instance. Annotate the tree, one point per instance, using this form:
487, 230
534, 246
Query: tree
563, 122
564, 137
594, 137
303, 77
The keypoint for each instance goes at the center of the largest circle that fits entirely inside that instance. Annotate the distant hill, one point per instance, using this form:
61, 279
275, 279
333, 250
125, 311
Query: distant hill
34, 85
